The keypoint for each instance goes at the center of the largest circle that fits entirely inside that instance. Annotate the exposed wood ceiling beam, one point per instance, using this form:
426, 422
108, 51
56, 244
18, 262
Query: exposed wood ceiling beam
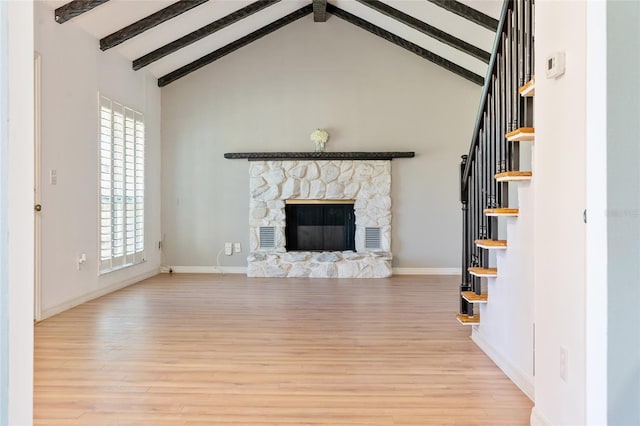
75, 8
149, 22
319, 10
200, 33
233, 46
429, 30
468, 13
411, 47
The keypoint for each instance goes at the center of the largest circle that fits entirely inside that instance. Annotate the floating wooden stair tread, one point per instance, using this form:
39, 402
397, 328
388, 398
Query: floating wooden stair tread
472, 297
521, 134
512, 176
492, 244
529, 88
484, 272
467, 320
501, 212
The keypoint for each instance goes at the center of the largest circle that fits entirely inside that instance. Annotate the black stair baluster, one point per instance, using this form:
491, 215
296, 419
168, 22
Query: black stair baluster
502, 124
509, 89
464, 199
517, 110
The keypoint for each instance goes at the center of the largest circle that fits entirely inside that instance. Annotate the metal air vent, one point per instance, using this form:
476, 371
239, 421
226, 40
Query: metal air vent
372, 238
267, 237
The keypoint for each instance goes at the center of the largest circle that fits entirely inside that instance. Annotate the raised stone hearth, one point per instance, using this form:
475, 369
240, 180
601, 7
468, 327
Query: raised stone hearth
346, 264
368, 182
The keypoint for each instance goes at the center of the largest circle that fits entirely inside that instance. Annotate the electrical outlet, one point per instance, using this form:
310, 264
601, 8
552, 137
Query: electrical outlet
228, 249
564, 363
237, 248
53, 177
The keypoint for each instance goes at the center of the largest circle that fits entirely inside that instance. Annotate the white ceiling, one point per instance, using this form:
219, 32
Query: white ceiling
116, 14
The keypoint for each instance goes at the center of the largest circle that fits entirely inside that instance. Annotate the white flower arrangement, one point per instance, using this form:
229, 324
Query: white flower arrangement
319, 135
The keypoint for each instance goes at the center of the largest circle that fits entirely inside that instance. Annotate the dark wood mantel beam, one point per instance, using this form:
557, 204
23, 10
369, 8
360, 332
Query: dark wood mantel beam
411, 47
233, 46
280, 156
319, 10
148, 22
201, 33
75, 8
427, 29
469, 13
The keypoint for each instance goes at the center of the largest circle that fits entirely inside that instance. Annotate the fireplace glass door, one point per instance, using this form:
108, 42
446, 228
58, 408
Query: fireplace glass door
320, 227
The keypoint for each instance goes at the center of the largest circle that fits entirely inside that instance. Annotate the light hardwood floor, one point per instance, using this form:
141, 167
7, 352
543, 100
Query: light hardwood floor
221, 350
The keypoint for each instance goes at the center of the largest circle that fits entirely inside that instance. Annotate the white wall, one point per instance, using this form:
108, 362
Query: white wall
594, 316
20, 211
560, 157
270, 95
505, 332
4, 233
596, 198
74, 70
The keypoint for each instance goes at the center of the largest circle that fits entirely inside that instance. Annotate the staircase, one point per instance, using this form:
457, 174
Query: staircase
498, 204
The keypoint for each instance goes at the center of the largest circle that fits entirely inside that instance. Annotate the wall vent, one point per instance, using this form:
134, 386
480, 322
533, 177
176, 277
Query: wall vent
267, 237
372, 238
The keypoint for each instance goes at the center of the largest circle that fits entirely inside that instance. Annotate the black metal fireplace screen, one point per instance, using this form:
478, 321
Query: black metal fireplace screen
320, 225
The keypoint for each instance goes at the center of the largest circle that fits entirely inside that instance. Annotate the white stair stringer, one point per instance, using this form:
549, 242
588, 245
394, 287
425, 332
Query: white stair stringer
506, 332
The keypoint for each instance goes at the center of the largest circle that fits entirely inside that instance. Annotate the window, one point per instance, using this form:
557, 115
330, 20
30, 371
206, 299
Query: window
121, 186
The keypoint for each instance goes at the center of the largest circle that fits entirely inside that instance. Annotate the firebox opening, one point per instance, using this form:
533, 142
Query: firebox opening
320, 225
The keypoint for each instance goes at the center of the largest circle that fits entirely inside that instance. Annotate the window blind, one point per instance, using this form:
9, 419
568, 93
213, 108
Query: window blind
121, 185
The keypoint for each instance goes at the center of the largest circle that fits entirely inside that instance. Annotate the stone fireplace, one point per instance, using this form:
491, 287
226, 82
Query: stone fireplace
273, 184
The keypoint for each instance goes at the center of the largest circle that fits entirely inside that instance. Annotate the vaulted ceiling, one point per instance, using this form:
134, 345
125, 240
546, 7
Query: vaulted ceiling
173, 38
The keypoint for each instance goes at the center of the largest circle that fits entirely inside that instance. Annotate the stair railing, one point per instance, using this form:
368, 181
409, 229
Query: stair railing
501, 110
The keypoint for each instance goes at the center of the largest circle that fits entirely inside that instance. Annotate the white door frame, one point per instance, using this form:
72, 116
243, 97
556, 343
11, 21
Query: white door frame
37, 296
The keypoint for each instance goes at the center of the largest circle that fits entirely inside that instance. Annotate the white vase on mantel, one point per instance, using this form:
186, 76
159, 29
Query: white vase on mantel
319, 146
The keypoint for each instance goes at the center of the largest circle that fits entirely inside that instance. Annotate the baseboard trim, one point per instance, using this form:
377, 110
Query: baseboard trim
538, 419
204, 269
243, 270
518, 377
426, 271
54, 310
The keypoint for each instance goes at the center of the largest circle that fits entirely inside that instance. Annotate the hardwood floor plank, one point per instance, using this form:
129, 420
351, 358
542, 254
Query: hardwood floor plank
208, 349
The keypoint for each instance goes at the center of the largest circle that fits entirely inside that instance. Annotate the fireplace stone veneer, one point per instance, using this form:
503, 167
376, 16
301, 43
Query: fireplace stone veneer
271, 183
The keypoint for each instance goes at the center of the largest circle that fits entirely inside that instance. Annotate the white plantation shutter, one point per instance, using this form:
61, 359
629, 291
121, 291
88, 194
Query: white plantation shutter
121, 185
